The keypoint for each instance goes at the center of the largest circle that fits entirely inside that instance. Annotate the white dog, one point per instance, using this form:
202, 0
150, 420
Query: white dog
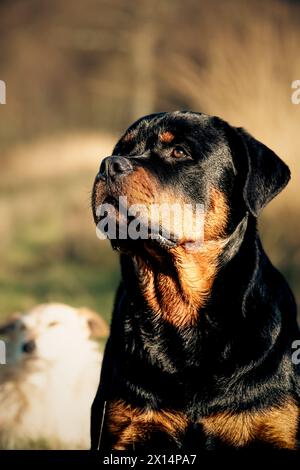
51, 376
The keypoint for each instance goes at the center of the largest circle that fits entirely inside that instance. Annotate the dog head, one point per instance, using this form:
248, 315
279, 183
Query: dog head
187, 159
50, 332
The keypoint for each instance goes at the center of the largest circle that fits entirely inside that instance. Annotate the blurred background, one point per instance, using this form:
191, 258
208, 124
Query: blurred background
78, 73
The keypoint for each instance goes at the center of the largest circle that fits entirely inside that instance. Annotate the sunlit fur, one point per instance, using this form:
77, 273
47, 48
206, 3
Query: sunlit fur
46, 394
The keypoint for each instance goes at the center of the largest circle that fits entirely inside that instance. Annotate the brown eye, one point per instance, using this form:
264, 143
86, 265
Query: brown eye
53, 323
178, 152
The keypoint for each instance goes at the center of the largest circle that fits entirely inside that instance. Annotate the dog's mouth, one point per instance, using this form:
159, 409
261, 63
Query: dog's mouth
153, 241
126, 230
140, 223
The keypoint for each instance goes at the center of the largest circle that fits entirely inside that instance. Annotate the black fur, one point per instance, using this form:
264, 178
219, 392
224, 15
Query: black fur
238, 356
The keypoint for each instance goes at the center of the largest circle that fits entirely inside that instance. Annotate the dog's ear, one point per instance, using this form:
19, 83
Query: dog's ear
265, 176
9, 325
97, 325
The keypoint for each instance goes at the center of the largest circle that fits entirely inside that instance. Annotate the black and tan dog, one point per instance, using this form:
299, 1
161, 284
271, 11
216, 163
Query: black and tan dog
199, 355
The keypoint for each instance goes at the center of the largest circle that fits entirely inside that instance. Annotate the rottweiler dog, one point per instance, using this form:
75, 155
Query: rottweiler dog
199, 355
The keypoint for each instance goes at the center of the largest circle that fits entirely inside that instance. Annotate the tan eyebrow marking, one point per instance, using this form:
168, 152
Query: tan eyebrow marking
129, 136
166, 137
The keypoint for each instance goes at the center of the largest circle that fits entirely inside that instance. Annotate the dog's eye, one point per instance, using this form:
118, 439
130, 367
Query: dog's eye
53, 323
178, 152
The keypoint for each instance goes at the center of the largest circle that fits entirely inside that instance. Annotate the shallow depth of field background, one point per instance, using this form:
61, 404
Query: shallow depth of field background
78, 73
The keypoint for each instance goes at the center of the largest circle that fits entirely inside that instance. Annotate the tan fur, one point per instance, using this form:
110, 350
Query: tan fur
129, 425
139, 188
276, 425
97, 324
166, 137
178, 298
129, 136
217, 215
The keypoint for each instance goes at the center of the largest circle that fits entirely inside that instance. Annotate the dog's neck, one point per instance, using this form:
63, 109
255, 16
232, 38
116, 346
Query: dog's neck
178, 294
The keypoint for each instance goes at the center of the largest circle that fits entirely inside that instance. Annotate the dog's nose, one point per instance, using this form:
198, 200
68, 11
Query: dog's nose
29, 347
113, 167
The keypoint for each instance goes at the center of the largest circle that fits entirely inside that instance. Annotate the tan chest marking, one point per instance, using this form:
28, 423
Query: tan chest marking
178, 298
277, 426
128, 425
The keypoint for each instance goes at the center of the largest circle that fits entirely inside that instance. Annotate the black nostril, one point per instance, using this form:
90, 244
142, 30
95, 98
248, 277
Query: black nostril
29, 347
114, 166
119, 166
